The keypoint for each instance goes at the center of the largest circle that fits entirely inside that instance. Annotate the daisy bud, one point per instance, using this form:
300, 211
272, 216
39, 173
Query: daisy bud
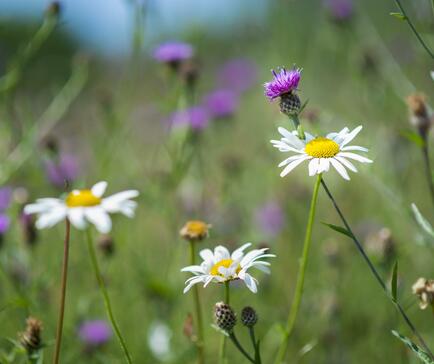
224, 316
290, 104
420, 113
106, 245
249, 316
424, 289
195, 230
31, 338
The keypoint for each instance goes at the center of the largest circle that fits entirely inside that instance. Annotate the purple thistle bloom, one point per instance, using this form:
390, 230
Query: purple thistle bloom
221, 103
5, 198
340, 10
173, 52
283, 82
95, 333
237, 75
270, 218
64, 168
4, 223
197, 117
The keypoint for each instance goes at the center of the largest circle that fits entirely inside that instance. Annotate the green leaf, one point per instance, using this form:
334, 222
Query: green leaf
399, 16
422, 222
413, 137
394, 283
339, 229
422, 355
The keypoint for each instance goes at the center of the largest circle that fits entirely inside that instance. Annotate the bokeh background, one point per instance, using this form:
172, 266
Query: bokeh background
90, 103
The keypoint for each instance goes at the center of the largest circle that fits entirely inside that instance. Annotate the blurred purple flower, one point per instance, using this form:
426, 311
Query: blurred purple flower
221, 103
237, 75
270, 218
64, 168
340, 10
4, 223
173, 52
283, 82
95, 333
5, 198
197, 117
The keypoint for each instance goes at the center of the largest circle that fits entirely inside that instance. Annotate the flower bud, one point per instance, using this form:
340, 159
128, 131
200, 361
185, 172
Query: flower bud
420, 113
195, 230
249, 316
106, 245
224, 316
31, 338
290, 104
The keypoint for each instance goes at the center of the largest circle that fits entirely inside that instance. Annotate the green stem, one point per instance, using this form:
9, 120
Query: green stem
300, 277
222, 353
255, 345
105, 295
59, 329
240, 348
198, 309
413, 28
427, 166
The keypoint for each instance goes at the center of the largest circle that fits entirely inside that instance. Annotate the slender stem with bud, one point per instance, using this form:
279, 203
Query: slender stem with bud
300, 277
106, 297
375, 272
198, 309
59, 329
222, 352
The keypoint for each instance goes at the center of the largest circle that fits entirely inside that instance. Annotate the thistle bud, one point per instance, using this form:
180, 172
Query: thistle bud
249, 316
290, 104
106, 245
31, 338
424, 289
420, 113
195, 230
224, 316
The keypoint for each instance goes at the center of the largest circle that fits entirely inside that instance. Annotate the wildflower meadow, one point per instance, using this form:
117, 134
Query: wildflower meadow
216, 182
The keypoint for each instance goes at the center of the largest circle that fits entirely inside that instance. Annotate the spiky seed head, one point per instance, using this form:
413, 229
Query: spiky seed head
249, 316
195, 230
290, 104
224, 316
31, 338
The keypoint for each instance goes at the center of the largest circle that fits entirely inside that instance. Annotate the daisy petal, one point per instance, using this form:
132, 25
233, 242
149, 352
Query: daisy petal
292, 165
99, 188
76, 217
351, 136
354, 156
100, 218
313, 166
340, 168
346, 163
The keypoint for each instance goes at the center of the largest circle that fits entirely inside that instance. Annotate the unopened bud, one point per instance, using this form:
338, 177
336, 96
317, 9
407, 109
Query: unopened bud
420, 113
249, 316
106, 245
224, 316
290, 104
31, 338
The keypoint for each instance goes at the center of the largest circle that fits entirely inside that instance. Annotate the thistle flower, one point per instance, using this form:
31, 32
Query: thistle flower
195, 230
173, 53
340, 10
63, 168
424, 289
284, 82
270, 218
196, 117
420, 114
321, 152
82, 207
224, 316
249, 317
237, 75
221, 266
221, 103
95, 333
31, 338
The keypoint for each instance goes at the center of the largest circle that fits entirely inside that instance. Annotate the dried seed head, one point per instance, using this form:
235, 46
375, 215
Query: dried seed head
224, 316
249, 316
420, 114
31, 338
424, 289
290, 104
106, 245
195, 230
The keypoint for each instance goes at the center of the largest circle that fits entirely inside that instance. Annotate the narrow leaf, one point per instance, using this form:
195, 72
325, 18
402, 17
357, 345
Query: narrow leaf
413, 137
339, 229
399, 16
422, 355
422, 222
394, 283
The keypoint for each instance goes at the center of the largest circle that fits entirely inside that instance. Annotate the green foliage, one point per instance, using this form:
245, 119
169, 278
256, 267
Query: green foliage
420, 354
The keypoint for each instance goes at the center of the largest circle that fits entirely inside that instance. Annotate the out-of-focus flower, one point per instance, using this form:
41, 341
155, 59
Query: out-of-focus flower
270, 218
421, 115
221, 266
195, 230
106, 245
173, 53
380, 244
197, 117
82, 207
221, 103
31, 338
424, 289
321, 152
224, 316
4, 223
28, 225
62, 169
237, 75
340, 10
159, 337
5, 198
94, 333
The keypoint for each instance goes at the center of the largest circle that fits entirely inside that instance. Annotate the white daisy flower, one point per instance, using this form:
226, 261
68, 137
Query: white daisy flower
81, 207
221, 266
320, 152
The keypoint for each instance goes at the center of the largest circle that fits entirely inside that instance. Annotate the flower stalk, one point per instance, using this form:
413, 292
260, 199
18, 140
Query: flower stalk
301, 275
106, 297
222, 353
59, 329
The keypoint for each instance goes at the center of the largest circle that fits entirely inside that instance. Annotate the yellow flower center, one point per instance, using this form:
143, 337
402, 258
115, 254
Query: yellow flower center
82, 198
197, 227
223, 263
322, 148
